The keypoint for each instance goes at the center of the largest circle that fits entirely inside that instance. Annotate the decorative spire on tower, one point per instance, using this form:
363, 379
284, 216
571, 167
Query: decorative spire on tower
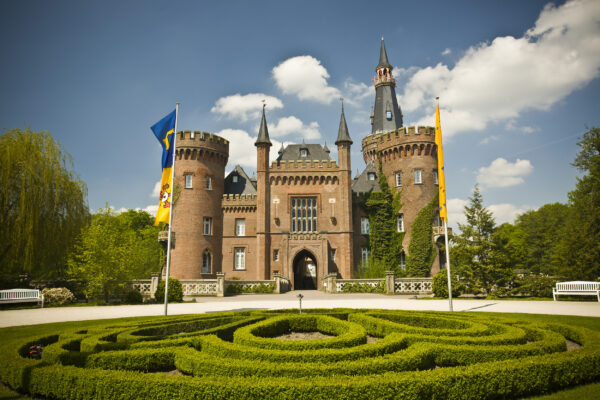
386, 115
343, 136
263, 132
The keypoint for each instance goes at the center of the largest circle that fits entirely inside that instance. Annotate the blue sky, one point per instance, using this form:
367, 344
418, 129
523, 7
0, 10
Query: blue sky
517, 80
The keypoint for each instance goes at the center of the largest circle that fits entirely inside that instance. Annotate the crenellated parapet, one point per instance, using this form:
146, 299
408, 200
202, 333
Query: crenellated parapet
305, 179
239, 202
196, 144
296, 165
403, 142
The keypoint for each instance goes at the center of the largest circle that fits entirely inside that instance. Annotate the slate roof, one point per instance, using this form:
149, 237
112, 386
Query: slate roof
362, 184
343, 136
263, 132
244, 185
383, 60
316, 152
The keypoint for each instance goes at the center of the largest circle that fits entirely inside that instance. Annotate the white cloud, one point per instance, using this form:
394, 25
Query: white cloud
505, 212
288, 125
446, 52
354, 92
305, 77
245, 107
156, 191
498, 81
489, 139
502, 212
242, 150
501, 173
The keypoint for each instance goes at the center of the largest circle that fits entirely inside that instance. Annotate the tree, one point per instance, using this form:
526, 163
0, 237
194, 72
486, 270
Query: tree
541, 230
43, 204
477, 258
578, 254
113, 250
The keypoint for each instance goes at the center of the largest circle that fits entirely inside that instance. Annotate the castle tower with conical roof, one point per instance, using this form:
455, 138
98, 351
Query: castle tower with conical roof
386, 115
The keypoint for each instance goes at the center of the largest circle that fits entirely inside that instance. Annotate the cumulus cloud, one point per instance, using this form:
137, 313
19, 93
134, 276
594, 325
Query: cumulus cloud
288, 125
244, 107
446, 52
156, 191
502, 173
498, 81
502, 212
354, 92
242, 150
305, 77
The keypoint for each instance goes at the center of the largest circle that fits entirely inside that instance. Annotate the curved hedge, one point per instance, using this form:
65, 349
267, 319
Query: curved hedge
372, 354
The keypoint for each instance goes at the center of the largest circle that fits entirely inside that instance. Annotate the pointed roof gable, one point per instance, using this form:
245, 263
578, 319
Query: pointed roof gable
263, 132
383, 60
362, 184
244, 184
343, 136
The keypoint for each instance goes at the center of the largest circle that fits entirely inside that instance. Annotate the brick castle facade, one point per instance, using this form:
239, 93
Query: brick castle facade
301, 216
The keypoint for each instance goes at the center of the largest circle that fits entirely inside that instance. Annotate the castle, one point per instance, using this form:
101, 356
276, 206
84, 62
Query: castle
301, 216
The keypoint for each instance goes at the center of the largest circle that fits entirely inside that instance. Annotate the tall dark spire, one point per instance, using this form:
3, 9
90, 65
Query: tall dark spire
343, 136
386, 115
383, 60
263, 132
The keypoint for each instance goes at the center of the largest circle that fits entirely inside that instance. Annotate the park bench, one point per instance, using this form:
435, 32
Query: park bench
577, 288
21, 296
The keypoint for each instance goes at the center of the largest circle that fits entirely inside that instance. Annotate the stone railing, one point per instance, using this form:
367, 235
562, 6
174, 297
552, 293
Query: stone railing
211, 287
391, 284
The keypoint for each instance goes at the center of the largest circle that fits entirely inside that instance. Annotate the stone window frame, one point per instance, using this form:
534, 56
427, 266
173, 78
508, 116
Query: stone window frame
332, 254
365, 226
420, 175
403, 260
275, 254
436, 180
314, 217
242, 251
240, 222
398, 176
206, 269
205, 231
208, 183
400, 223
365, 253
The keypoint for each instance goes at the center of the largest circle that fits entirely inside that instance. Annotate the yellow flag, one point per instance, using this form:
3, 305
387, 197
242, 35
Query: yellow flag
441, 178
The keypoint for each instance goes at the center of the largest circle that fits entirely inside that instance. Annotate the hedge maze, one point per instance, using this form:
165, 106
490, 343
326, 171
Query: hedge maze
362, 354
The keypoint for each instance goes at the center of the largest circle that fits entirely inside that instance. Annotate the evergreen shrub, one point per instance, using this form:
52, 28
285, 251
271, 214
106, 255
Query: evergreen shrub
175, 291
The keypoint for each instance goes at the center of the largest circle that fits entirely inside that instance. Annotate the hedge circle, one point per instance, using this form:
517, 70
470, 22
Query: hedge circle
410, 355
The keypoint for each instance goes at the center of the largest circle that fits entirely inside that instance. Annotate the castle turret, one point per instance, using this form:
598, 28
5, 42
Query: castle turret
263, 200
200, 160
386, 115
344, 143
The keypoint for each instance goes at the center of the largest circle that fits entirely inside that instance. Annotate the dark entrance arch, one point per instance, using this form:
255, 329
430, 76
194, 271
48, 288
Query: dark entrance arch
305, 271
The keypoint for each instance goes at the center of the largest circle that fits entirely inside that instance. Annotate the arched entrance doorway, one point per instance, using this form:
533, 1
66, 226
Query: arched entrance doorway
305, 271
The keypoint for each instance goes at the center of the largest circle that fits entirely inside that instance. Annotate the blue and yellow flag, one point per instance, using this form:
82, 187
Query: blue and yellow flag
164, 130
440, 154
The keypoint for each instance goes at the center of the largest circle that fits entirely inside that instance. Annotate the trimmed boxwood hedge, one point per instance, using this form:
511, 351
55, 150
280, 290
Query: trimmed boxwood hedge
418, 355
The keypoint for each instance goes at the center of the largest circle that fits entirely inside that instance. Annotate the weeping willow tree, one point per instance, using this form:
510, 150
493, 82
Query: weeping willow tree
43, 204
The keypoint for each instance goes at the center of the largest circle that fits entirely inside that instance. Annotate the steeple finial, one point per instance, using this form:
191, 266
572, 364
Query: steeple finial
383, 60
343, 136
263, 132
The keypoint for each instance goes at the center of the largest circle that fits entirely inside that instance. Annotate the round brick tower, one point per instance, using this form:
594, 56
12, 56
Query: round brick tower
200, 161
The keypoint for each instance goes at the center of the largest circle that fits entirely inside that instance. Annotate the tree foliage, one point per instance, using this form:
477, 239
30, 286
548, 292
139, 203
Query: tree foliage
578, 254
113, 250
477, 255
421, 250
43, 204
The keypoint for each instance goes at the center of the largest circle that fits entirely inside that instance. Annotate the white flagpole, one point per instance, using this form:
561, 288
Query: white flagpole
171, 211
448, 265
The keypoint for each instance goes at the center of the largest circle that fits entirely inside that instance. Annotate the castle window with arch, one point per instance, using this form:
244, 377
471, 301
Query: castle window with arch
365, 227
207, 226
188, 181
303, 153
398, 178
239, 258
418, 178
371, 176
206, 262
304, 214
364, 255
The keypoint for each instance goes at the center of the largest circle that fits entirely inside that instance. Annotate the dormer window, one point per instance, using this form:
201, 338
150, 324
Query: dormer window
371, 176
388, 115
234, 178
303, 153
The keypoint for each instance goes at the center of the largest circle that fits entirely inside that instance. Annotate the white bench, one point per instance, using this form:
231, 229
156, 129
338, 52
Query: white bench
578, 288
21, 296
